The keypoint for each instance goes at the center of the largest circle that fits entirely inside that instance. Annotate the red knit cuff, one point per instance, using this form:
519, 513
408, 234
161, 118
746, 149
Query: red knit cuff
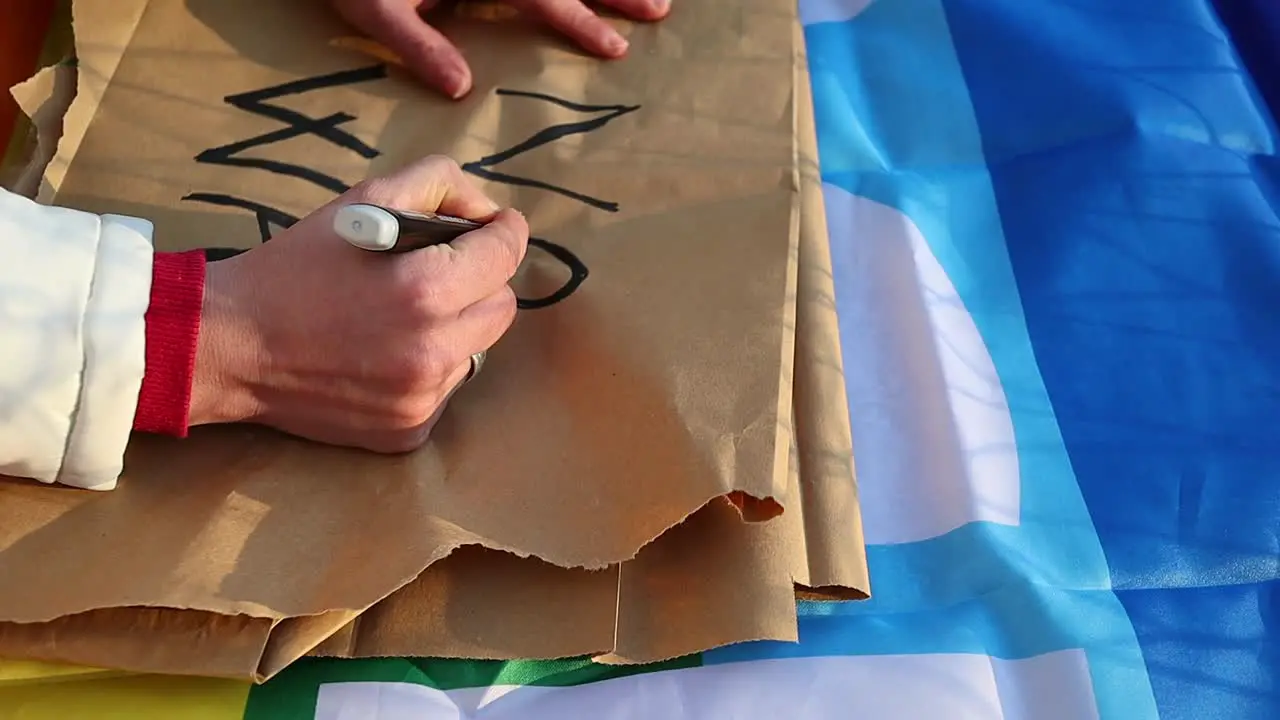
173, 328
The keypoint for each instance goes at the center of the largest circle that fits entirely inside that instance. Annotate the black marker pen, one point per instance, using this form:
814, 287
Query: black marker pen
379, 229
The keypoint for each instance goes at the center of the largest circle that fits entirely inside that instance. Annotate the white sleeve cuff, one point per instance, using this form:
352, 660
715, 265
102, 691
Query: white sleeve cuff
74, 290
114, 355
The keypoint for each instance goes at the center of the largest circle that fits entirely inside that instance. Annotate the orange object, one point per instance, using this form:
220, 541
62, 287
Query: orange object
23, 27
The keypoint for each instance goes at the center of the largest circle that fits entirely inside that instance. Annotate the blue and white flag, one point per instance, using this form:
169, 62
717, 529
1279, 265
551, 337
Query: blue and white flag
1057, 256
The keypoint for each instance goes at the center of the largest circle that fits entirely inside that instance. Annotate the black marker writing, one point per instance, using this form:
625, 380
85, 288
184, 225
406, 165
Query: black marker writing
327, 128
483, 166
266, 215
577, 273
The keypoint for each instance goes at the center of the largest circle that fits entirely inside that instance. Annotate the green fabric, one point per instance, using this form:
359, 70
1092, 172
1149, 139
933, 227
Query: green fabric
292, 694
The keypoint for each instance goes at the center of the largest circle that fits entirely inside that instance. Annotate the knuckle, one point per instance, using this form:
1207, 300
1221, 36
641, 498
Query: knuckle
408, 411
437, 360
412, 397
419, 290
429, 304
435, 262
425, 303
413, 376
406, 380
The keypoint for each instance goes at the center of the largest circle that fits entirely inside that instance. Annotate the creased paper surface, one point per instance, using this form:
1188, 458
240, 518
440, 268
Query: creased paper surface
664, 381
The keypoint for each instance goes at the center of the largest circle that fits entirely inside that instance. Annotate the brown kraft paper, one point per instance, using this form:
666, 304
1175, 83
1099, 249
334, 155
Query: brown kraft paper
656, 387
671, 601
44, 99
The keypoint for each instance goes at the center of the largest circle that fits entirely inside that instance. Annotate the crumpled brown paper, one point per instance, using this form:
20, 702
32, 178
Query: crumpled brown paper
44, 98
662, 384
709, 582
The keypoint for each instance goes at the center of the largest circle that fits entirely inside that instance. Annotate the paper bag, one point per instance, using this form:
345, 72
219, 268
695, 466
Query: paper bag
670, 600
612, 412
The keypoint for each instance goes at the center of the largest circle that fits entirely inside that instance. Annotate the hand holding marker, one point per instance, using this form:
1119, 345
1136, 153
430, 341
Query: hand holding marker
378, 229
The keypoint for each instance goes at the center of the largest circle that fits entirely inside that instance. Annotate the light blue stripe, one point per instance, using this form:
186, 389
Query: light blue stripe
896, 125
1018, 621
893, 69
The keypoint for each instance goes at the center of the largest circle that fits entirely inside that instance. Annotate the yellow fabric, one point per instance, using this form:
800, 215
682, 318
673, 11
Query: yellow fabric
13, 672
36, 691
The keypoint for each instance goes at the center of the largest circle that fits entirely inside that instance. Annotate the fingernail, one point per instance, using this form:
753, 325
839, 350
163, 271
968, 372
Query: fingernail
615, 43
457, 80
661, 5
459, 85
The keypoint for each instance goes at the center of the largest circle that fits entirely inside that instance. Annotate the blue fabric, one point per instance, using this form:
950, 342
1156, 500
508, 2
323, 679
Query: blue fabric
1254, 26
1099, 180
896, 124
1135, 170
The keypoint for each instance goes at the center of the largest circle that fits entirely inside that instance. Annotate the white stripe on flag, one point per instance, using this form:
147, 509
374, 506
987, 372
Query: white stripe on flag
935, 442
1054, 686
816, 11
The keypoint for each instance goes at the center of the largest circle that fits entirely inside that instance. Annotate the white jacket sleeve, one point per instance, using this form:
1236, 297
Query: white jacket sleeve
74, 289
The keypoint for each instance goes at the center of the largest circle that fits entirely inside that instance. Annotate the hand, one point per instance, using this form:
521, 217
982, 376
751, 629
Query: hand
429, 55
322, 340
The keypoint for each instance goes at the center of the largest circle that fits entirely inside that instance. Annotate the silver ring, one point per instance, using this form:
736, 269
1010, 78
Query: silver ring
477, 362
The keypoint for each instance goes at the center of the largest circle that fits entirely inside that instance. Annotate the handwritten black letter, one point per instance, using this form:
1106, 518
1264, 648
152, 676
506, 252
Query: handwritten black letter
326, 128
329, 129
577, 273
481, 167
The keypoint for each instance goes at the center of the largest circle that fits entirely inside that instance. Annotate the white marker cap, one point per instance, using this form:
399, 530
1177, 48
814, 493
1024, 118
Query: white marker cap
367, 227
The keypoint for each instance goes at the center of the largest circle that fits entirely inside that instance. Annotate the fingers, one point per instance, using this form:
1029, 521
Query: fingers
444, 279
476, 329
481, 325
640, 9
430, 56
579, 23
394, 442
432, 184
473, 267
424, 50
